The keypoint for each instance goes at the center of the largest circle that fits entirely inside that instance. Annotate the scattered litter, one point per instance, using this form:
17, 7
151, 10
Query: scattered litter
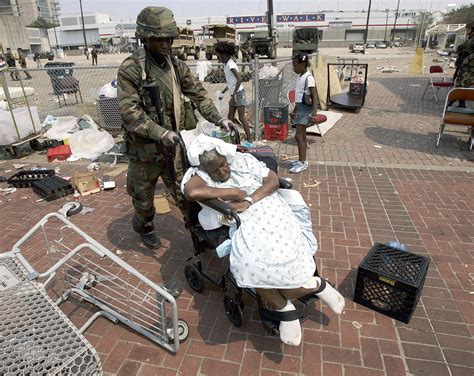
7, 171
7, 191
415, 85
86, 209
39, 200
57, 170
107, 183
285, 157
289, 179
19, 165
94, 166
357, 324
377, 146
161, 204
86, 183
118, 252
313, 185
24, 198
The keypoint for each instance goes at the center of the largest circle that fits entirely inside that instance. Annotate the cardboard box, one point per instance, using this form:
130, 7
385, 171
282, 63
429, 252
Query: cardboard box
86, 183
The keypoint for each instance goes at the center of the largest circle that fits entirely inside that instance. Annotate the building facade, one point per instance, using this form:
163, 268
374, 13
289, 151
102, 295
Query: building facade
338, 28
99, 29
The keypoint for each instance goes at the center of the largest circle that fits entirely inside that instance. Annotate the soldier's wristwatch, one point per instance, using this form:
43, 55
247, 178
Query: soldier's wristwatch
249, 199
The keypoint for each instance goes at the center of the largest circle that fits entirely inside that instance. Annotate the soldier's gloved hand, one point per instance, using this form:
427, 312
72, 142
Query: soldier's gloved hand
226, 125
169, 138
221, 95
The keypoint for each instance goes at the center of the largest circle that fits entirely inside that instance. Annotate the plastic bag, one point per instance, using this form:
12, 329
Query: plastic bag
109, 90
90, 143
8, 134
268, 71
62, 128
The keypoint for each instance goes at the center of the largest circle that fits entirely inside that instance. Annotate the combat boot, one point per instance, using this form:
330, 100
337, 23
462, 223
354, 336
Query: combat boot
146, 231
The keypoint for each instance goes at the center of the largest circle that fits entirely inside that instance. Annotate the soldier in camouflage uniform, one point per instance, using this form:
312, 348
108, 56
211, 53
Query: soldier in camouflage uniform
150, 144
22, 62
464, 75
10, 60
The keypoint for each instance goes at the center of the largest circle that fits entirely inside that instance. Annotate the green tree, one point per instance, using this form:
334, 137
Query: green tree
41, 23
462, 15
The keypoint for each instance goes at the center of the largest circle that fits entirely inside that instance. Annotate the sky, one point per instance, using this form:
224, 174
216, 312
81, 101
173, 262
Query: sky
122, 10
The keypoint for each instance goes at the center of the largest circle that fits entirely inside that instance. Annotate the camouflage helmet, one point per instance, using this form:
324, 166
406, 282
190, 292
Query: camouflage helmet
156, 22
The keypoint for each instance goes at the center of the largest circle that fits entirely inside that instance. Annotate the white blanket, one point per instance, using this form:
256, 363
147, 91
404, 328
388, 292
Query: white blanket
273, 247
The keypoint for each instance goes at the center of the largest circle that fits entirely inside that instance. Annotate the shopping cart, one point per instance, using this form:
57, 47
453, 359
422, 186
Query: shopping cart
36, 337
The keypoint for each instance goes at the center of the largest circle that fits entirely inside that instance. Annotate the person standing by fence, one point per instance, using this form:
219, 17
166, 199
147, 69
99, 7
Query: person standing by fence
22, 62
10, 59
94, 56
238, 101
306, 105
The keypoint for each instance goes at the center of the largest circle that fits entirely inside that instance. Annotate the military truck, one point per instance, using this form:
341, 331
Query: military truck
305, 39
262, 44
216, 33
185, 44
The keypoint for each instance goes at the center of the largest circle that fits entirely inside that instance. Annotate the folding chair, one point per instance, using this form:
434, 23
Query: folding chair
320, 118
458, 115
436, 72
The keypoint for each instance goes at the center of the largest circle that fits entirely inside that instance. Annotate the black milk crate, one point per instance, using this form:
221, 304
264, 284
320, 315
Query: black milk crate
390, 281
276, 113
52, 188
24, 179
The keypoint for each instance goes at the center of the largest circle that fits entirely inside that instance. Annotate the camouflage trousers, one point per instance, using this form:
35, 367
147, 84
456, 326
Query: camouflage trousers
141, 183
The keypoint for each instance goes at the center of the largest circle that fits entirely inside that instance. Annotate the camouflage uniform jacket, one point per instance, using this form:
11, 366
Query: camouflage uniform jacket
10, 59
140, 120
22, 60
465, 64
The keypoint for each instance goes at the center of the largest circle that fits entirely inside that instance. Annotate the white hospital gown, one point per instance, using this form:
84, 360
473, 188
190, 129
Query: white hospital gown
269, 249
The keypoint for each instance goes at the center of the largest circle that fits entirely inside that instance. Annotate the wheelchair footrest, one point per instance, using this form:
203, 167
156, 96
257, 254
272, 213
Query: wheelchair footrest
268, 315
308, 299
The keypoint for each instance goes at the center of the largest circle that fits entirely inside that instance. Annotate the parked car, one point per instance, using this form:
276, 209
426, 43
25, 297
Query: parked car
357, 47
370, 45
381, 44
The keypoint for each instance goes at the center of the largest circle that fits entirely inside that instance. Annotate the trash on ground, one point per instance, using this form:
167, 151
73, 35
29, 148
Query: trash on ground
86, 209
357, 324
161, 204
60, 153
377, 146
415, 85
312, 185
107, 182
94, 166
19, 166
7, 191
39, 200
118, 252
86, 183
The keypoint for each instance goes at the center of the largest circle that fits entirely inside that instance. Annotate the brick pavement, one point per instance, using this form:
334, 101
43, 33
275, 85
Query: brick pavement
405, 190
426, 210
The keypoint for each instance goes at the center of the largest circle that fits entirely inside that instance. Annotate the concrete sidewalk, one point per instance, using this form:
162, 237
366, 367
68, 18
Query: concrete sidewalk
407, 190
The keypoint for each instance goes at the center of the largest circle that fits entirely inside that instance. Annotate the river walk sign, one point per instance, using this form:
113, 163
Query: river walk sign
311, 17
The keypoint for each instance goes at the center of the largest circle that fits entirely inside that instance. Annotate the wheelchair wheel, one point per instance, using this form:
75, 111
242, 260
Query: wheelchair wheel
233, 311
194, 277
183, 330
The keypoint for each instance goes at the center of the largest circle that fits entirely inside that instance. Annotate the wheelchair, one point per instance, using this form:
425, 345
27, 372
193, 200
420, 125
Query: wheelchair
204, 241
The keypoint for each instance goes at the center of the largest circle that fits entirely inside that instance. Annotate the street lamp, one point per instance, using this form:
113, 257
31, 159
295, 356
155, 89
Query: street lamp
367, 23
86, 51
395, 23
386, 24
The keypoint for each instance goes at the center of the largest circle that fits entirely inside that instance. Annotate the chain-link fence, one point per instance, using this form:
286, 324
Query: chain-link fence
68, 90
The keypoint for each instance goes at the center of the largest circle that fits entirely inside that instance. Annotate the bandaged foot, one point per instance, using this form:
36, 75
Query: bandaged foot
327, 294
290, 331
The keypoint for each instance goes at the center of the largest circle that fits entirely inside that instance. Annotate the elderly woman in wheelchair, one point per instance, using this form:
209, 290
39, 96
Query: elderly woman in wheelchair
272, 250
